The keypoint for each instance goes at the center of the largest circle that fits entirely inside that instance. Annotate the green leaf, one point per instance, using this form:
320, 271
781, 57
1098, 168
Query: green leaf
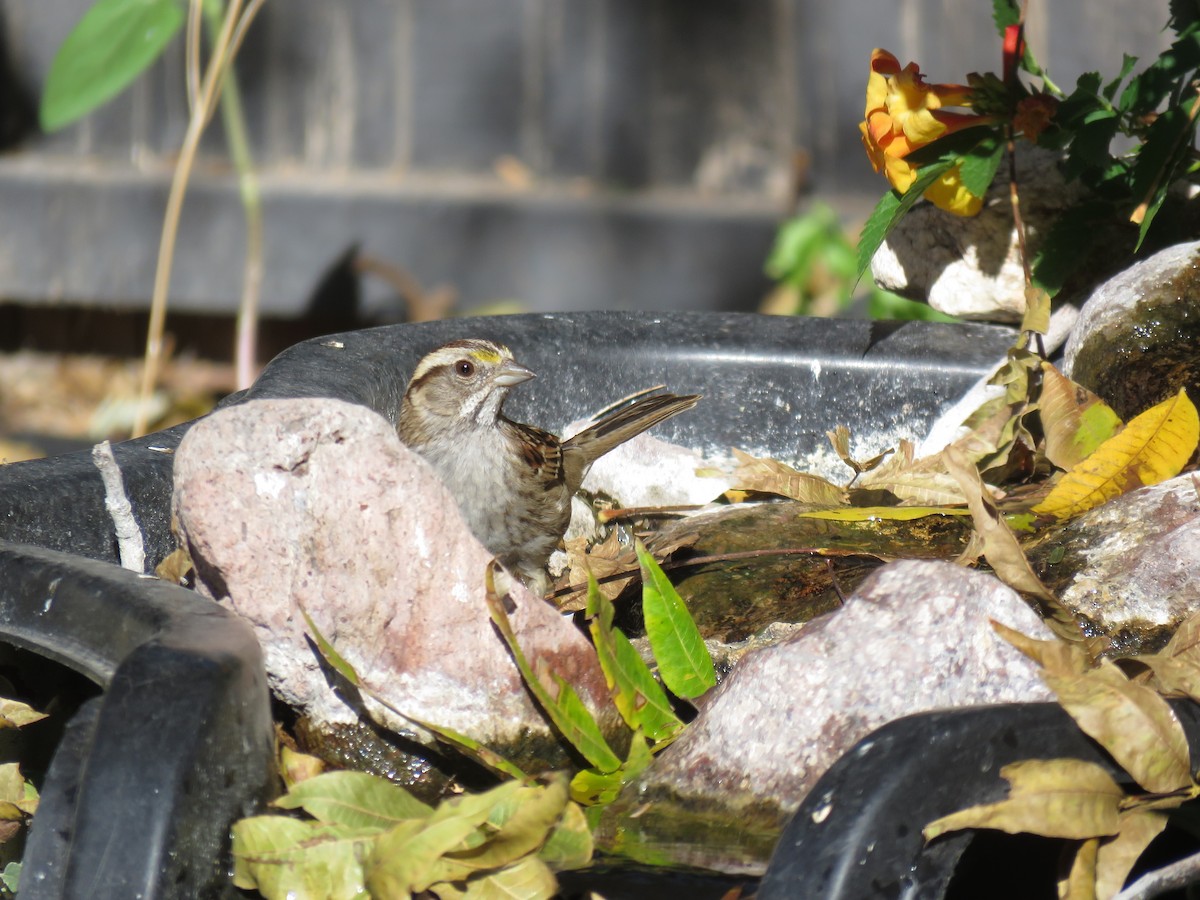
979, 165
283, 858
1185, 15
799, 240
10, 877
471, 748
891, 208
330, 654
1068, 244
1153, 85
636, 693
570, 844
1168, 144
1127, 64
1005, 13
683, 661
109, 47
529, 879
564, 707
355, 800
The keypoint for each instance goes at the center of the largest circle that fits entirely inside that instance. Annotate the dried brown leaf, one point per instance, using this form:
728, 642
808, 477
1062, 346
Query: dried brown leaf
1055, 656
1116, 857
1132, 722
1000, 546
1067, 798
914, 481
1080, 881
770, 476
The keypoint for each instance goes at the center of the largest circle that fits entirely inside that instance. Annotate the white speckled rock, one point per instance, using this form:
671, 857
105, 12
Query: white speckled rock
914, 637
1129, 566
315, 504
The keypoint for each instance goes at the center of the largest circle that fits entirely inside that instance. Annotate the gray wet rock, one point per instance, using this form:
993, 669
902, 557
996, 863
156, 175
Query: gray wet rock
914, 637
315, 505
1127, 569
1135, 343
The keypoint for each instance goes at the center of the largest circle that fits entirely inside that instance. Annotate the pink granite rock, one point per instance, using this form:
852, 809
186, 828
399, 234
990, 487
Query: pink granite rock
315, 504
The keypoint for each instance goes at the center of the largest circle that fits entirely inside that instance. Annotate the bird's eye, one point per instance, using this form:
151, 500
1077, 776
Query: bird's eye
465, 368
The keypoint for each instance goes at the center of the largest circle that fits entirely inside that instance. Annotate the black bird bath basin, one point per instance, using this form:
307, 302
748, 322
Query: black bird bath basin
177, 745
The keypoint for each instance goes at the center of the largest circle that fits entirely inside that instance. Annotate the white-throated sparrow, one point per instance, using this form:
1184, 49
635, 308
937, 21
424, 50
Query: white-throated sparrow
513, 482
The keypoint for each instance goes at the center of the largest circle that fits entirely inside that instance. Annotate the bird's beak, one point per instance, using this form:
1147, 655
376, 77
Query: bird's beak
513, 373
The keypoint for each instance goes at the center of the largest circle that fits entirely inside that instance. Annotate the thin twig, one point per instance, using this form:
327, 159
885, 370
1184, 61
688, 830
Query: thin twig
234, 118
192, 54
1179, 874
220, 60
130, 546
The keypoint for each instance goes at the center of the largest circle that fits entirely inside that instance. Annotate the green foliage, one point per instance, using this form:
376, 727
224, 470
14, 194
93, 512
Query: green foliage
1128, 138
368, 837
114, 42
683, 661
814, 260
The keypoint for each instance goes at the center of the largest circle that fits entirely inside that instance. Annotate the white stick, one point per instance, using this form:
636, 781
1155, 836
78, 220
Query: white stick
129, 536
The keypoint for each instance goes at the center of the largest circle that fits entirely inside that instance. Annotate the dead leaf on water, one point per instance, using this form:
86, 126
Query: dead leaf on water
770, 476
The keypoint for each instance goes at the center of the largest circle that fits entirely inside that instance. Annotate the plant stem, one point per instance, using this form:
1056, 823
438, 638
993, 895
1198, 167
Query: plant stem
233, 117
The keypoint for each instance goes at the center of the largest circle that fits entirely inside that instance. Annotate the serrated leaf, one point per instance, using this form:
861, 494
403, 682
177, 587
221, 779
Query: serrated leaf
355, 800
891, 208
683, 661
1127, 64
565, 709
1133, 723
770, 476
110, 46
1115, 858
1152, 448
286, 859
1005, 13
636, 693
1074, 420
1066, 798
922, 482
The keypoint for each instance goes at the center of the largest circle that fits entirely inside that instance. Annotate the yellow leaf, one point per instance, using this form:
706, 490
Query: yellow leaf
1080, 883
1116, 857
1067, 798
1133, 723
876, 513
1152, 448
1074, 420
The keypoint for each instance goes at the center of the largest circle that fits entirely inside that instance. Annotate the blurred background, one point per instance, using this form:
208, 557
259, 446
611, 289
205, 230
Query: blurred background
427, 157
